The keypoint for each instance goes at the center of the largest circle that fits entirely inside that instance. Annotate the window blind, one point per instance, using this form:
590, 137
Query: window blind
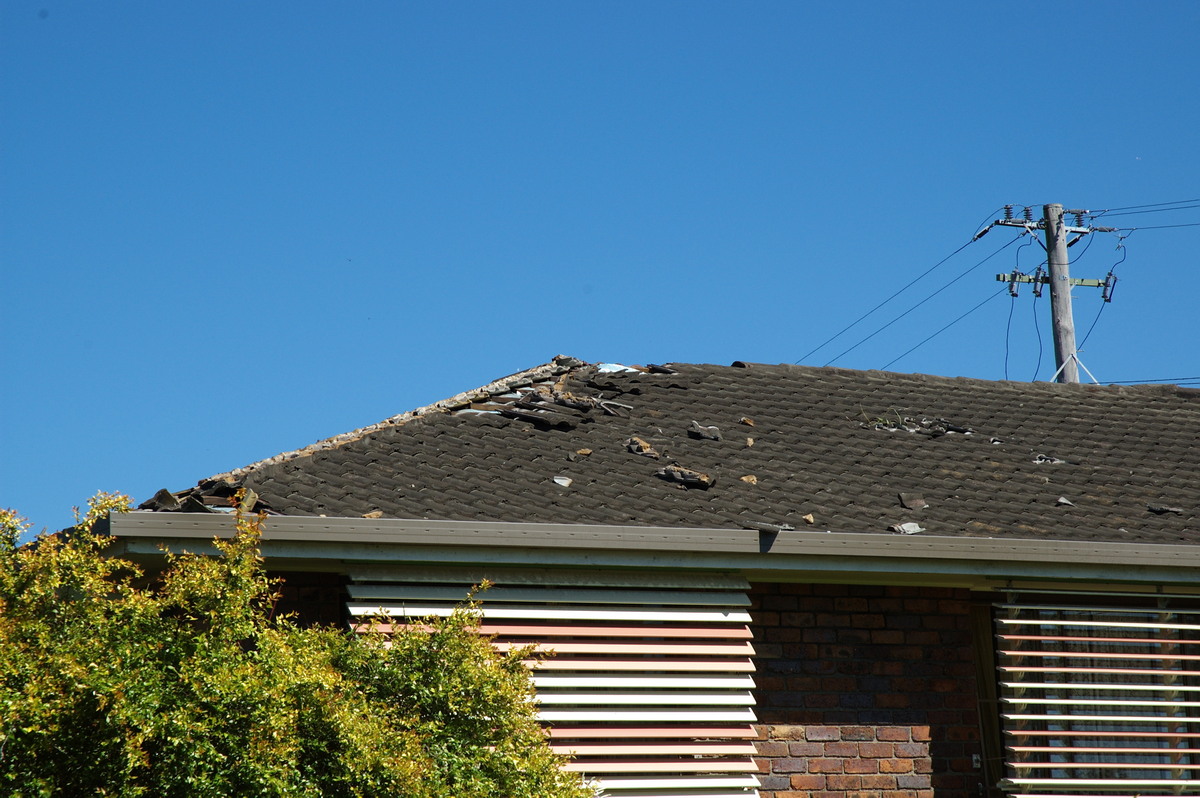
1100, 694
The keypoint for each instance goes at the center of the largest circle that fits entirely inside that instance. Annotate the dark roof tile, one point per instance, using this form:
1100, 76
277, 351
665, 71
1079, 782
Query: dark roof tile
838, 444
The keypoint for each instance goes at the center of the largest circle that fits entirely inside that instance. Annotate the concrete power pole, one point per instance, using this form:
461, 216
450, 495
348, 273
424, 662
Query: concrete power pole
1059, 278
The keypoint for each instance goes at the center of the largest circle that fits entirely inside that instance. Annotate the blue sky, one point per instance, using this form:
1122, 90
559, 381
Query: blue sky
231, 229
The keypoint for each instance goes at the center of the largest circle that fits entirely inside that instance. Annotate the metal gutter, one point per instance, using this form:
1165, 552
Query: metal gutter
298, 539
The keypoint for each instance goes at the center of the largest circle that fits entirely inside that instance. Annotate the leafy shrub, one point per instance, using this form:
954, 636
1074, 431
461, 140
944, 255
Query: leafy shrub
114, 684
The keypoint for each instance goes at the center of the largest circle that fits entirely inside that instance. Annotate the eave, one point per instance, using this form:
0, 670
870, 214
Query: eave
315, 543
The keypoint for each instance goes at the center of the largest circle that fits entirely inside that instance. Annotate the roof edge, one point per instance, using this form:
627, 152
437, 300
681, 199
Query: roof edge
560, 365
738, 549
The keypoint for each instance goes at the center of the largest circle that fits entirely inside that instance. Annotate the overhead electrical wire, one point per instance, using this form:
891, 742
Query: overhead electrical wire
1110, 214
920, 276
1174, 380
1041, 346
1149, 205
1012, 305
922, 302
1107, 296
1160, 226
989, 298
1008, 332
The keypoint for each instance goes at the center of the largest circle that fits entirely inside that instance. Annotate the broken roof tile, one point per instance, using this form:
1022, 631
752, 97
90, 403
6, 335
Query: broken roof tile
443, 462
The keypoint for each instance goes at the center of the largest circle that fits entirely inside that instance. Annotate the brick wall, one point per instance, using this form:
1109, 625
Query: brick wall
865, 692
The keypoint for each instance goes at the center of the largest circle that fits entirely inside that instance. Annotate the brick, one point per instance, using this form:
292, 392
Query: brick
862, 766
895, 733
807, 782
859, 733
789, 764
867, 620
841, 749
895, 765
806, 749
876, 750
913, 782
843, 782
920, 733
850, 604
767, 748
825, 765
786, 732
823, 733
912, 750
879, 782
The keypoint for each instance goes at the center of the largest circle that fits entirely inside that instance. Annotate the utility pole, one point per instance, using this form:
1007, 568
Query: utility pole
1059, 277
1063, 320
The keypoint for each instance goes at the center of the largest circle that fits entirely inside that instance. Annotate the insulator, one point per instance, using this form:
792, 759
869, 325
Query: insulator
1028, 214
1110, 284
1079, 220
1038, 277
1008, 213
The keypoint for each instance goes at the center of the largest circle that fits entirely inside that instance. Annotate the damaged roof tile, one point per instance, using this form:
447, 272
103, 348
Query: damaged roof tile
485, 454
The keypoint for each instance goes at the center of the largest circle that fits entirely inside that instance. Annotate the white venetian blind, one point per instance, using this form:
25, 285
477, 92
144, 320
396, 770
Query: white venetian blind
647, 685
1100, 694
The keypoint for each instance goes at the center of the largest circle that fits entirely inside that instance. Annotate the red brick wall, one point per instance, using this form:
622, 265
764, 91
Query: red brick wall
865, 692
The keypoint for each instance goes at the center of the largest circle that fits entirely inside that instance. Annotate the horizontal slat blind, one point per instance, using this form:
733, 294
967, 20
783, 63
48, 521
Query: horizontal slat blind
1100, 694
645, 683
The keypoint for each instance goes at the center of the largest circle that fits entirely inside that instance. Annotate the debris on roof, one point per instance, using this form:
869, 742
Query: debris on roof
483, 454
933, 427
763, 526
639, 446
564, 481
696, 430
687, 477
1063, 501
907, 528
750, 479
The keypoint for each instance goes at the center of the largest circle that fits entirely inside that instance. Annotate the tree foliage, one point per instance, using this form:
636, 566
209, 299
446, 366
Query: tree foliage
114, 684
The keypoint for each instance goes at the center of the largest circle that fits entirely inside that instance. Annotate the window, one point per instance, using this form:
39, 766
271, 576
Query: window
1099, 693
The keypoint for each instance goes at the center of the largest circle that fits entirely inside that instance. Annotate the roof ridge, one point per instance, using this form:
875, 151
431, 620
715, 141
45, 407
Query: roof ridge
556, 367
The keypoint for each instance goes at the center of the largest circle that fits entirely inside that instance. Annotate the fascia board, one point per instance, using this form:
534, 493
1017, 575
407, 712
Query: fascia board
367, 540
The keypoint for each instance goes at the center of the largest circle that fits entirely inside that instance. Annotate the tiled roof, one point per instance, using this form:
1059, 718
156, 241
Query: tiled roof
750, 444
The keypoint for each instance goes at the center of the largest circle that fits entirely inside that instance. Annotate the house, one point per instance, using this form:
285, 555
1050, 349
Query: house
781, 580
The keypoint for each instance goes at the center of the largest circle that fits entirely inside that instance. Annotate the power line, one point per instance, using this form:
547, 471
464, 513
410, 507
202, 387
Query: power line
948, 326
1008, 333
1149, 205
923, 301
854, 323
1175, 380
1109, 214
1160, 226
1038, 329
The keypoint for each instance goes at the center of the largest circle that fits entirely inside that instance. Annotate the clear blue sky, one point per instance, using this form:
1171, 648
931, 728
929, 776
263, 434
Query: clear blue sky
231, 229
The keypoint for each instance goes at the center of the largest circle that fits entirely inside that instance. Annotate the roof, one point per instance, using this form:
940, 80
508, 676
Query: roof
762, 446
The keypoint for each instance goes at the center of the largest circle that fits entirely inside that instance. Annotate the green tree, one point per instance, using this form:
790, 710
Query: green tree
114, 684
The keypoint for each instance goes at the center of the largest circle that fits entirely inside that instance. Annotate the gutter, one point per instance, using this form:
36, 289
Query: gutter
792, 555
